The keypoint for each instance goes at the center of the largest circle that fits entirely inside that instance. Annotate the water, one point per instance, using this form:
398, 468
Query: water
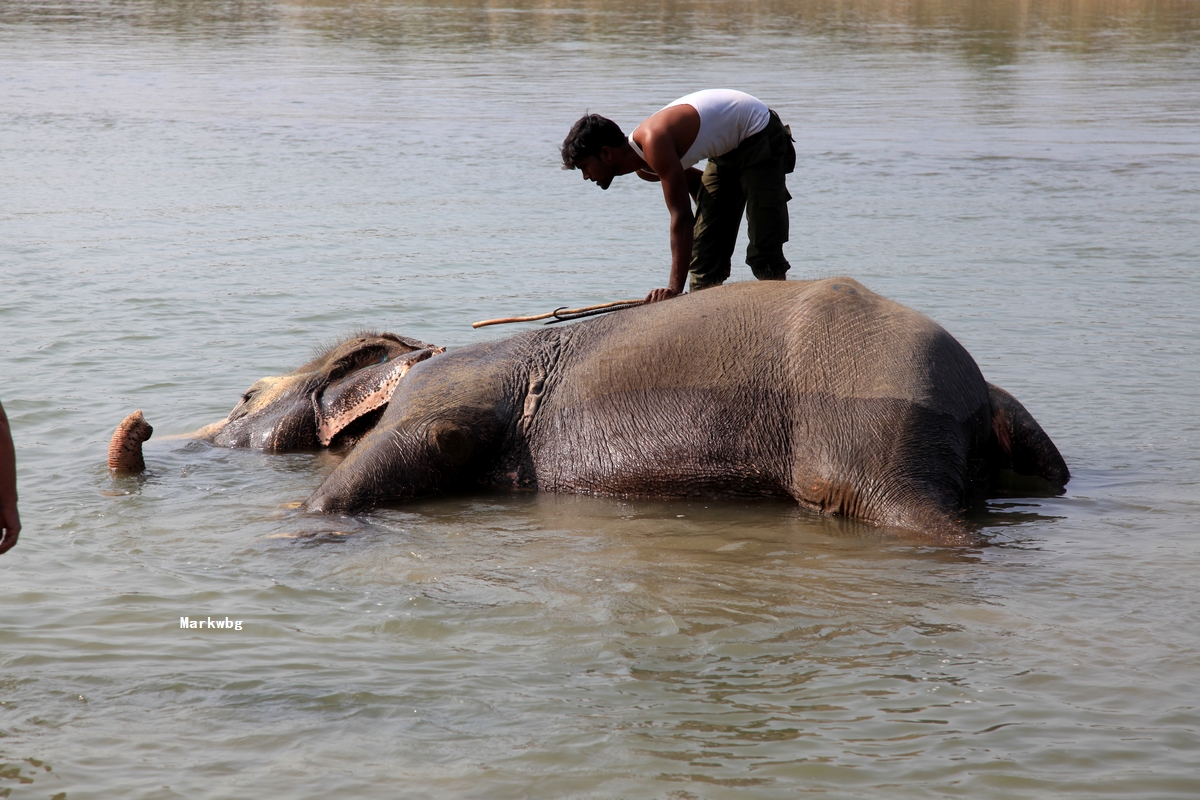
196, 194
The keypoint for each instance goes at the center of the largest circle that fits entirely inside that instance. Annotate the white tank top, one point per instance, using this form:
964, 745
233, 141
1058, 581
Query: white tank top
727, 118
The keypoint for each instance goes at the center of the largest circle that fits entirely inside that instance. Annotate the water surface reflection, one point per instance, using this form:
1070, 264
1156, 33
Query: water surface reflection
977, 28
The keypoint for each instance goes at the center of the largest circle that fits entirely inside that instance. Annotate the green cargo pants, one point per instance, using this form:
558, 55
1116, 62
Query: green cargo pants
748, 178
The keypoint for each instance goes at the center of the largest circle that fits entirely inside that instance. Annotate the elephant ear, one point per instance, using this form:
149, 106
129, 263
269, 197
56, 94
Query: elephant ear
1022, 439
340, 404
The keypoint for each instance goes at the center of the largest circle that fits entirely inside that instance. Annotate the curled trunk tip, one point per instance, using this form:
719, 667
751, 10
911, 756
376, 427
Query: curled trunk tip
125, 449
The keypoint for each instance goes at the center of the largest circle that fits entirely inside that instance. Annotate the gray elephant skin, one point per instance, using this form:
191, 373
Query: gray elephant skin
820, 391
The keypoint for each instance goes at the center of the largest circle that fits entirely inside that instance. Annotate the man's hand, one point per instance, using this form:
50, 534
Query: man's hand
661, 294
10, 521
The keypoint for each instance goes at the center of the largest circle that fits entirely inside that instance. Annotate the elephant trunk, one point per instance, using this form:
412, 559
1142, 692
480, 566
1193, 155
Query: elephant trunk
125, 449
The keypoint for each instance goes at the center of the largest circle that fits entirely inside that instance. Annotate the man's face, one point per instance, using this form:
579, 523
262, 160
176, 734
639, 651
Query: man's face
595, 169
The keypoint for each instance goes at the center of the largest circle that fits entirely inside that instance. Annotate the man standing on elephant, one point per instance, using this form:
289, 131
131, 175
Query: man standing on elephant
749, 151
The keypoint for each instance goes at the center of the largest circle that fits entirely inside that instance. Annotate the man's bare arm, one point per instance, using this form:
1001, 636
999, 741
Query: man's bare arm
660, 156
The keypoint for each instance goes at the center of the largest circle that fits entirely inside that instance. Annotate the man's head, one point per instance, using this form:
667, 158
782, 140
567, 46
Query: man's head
584, 148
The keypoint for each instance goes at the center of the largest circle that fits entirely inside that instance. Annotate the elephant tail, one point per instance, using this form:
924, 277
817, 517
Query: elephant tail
125, 449
1023, 445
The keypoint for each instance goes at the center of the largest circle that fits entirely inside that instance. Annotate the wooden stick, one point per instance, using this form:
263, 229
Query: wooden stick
548, 314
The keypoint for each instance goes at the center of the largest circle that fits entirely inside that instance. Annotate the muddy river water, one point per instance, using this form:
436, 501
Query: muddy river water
194, 195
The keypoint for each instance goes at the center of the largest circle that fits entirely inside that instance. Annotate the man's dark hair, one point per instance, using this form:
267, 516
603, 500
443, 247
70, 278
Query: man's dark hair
587, 136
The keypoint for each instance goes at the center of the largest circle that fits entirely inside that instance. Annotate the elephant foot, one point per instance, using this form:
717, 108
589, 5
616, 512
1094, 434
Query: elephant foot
125, 449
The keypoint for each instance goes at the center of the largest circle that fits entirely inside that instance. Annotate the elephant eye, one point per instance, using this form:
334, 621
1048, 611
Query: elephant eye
240, 410
371, 358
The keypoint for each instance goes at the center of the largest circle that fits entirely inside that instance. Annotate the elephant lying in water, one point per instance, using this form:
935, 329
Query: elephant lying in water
823, 392
330, 401
820, 391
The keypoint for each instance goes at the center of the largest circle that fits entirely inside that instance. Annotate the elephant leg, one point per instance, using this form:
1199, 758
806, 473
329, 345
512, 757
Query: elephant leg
904, 466
1025, 446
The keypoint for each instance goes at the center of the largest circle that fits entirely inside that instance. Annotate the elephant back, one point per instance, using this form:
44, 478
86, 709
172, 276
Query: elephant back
832, 337
845, 341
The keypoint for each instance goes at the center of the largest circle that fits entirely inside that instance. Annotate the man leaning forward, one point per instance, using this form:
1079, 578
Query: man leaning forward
749, 152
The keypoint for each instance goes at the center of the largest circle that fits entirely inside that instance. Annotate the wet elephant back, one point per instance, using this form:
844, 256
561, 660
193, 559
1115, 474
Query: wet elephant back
754, 389
817, 337
844, 340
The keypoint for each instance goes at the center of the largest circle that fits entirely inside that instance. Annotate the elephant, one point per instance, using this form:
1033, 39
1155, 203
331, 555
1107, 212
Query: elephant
329, 402
819, 391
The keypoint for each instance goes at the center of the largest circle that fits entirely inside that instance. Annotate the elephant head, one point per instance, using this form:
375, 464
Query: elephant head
331, 401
